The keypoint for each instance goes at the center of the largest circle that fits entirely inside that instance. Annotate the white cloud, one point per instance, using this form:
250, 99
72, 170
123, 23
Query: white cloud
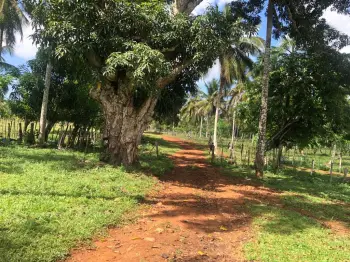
222, 3
346, 49
202, 7
25, 49
213, 72
340, 22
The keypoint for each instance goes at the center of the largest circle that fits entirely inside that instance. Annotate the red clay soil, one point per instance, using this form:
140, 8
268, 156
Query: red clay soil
198, 215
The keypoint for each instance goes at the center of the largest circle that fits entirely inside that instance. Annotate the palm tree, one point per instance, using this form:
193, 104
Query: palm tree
190, 110
236, 95
260, 149
207, 105
234, 62
12, 20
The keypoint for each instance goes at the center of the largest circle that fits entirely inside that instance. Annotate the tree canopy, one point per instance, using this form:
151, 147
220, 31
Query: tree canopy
308, 97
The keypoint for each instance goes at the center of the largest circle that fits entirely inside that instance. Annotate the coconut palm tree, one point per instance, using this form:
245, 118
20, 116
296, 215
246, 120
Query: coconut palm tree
260, 149
207, 105
234, 61
189, 111
235, 94
12, 20
202, 106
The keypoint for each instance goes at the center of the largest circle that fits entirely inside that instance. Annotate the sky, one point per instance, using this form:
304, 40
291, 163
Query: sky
338, 21
25, 50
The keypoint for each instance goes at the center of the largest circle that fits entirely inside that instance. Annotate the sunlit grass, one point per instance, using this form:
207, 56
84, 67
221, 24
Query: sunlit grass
284, 235
295, 229
52, 200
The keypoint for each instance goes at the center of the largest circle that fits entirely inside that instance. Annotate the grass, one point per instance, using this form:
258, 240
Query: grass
295, 230
50, 200
149, 161
283, 235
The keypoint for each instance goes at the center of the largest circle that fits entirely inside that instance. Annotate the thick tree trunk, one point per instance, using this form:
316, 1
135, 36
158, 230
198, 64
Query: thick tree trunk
201, 127
124, 123
43, 114
260, 151
185, 6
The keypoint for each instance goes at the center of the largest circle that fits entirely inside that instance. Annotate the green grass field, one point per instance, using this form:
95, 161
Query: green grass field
296, 230
50, 200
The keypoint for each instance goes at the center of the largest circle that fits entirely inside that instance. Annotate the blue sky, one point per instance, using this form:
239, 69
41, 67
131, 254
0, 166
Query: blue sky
214, 71
25, 50
340, 22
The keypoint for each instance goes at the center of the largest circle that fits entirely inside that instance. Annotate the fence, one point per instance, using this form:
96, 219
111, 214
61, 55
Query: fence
244, 155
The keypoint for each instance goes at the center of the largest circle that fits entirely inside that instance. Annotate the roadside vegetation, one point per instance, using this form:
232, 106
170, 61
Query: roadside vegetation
80, 122
52, 200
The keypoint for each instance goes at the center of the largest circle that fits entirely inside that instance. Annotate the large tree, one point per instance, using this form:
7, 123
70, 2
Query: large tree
302, 21
137, 49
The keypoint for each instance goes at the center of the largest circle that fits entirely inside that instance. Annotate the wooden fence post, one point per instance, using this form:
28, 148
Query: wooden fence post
313, 166
331, 172
340, 160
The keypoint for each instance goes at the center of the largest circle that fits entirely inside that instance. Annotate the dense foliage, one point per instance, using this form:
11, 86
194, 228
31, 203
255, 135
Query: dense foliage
308, 97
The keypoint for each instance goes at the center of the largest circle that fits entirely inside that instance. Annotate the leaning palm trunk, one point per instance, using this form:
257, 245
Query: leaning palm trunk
260, 151
43, 114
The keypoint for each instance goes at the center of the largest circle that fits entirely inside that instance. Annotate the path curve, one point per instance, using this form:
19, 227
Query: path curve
198, 215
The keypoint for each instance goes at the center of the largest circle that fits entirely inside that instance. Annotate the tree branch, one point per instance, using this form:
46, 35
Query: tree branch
163, 82
93, 59
290, 15
185, 6
278, 24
